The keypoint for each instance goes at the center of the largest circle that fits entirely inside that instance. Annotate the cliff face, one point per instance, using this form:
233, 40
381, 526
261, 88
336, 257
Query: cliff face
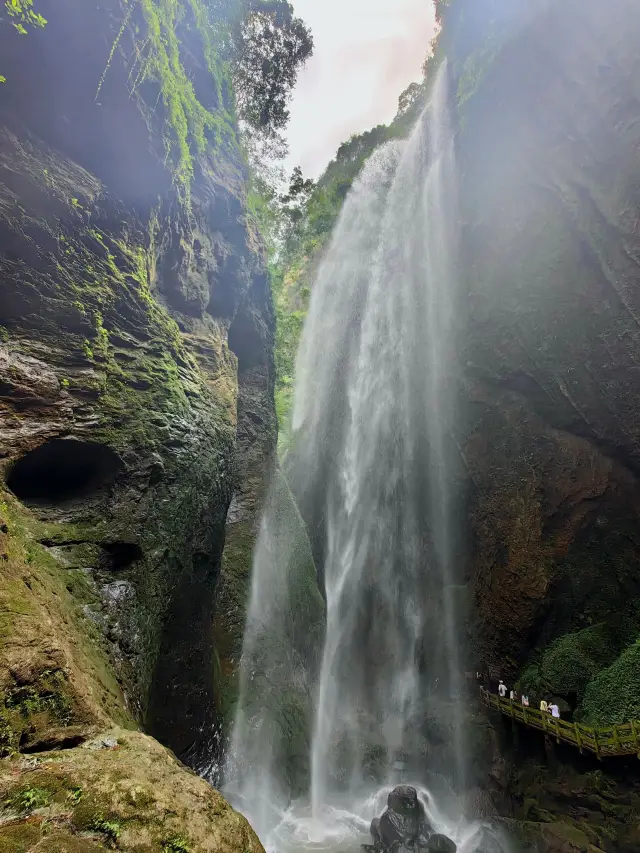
136, 335
547, 146
548, 154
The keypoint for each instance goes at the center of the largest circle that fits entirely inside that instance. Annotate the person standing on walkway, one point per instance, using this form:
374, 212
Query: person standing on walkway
525, 700
543, 706
502, 689
512, 695
555, 711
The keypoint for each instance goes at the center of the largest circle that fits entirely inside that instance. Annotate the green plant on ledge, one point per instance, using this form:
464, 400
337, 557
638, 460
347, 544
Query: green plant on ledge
23, 16
176, 844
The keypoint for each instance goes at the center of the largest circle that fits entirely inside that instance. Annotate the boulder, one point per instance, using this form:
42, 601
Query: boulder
441, 844
403, 824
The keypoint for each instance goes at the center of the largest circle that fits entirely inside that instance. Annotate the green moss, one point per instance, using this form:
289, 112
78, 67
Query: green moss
614, 694
29, 799
191, 126
91, 813
283, 660
19, 838
231, 603
28, 588
64, 842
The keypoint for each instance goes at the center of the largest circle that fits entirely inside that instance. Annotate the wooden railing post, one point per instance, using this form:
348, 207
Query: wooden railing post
619, 739
636, 736
616, 738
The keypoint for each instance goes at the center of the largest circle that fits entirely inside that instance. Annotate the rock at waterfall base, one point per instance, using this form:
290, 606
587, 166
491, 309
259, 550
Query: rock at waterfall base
404, 827
441, 844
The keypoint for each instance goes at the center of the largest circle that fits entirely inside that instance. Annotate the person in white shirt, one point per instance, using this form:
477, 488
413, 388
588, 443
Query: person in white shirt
502, 689
555, 711
512, 695
525, 700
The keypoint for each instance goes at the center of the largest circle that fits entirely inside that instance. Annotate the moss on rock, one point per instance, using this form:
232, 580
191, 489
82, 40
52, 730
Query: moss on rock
285, 626
121, 790
55, 679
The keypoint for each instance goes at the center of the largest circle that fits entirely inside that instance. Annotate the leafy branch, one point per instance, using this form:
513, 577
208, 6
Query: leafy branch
23, 16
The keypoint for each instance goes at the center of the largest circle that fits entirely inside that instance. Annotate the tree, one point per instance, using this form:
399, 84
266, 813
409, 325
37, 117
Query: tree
267, 47
411, 96
294, 205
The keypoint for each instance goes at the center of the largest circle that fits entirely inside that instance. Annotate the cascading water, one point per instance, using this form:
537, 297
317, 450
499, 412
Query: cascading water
373, 470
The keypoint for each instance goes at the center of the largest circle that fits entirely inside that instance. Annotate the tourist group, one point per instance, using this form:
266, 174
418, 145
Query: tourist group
547, 707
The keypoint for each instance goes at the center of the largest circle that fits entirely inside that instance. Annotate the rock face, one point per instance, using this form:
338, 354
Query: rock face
548, 152
256, 444
136, 335
554, 801
122, 789
548, 156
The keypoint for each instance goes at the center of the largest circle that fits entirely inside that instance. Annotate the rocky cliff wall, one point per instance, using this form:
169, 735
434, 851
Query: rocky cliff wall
133, 296
548, 155
547, 144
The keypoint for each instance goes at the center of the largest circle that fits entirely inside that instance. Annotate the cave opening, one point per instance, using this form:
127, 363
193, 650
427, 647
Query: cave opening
119, 556
63, 471
245, 341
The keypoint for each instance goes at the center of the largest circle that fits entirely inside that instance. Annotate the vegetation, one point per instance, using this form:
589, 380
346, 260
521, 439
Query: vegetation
305, 216
22, 15
570, 662
268, 46
192, 125
614, 694
253, 50
177, 844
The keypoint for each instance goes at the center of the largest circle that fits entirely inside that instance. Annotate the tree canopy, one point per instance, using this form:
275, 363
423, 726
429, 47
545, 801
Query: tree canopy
267, 45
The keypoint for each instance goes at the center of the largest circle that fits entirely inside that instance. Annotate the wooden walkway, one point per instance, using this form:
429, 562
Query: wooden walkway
622, 739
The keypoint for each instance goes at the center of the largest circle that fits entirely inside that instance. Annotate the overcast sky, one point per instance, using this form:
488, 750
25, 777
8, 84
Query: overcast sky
366, 53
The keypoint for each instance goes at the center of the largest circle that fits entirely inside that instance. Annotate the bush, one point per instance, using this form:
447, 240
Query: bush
613, 696
573, 660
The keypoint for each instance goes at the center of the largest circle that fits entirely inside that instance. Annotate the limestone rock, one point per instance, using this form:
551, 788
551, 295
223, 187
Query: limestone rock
135, 793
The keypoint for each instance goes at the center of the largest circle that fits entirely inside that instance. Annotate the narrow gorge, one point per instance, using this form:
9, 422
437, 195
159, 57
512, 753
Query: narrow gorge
284, 473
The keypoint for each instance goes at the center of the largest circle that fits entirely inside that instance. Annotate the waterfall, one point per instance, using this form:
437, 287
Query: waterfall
373, 470
379, 349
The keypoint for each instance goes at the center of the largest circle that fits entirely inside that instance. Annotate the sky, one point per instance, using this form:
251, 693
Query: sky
366, 53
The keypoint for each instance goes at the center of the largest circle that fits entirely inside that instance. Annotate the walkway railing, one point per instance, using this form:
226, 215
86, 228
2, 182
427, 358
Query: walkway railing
622, 739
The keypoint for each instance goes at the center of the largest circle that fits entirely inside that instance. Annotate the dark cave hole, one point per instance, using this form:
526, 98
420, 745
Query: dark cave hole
246, 342
62, 471
118, 556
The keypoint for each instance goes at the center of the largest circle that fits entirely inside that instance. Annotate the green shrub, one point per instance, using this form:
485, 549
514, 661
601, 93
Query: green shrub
613, 696
573, 660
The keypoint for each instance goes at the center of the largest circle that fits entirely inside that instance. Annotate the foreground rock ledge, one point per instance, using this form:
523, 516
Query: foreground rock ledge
120, 790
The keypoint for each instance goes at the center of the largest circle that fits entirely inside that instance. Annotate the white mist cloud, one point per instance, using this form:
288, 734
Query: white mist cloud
366, 53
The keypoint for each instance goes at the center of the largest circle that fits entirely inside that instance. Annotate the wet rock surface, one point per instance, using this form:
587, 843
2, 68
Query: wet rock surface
404, 827
121, 283
122, 297
551, 352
